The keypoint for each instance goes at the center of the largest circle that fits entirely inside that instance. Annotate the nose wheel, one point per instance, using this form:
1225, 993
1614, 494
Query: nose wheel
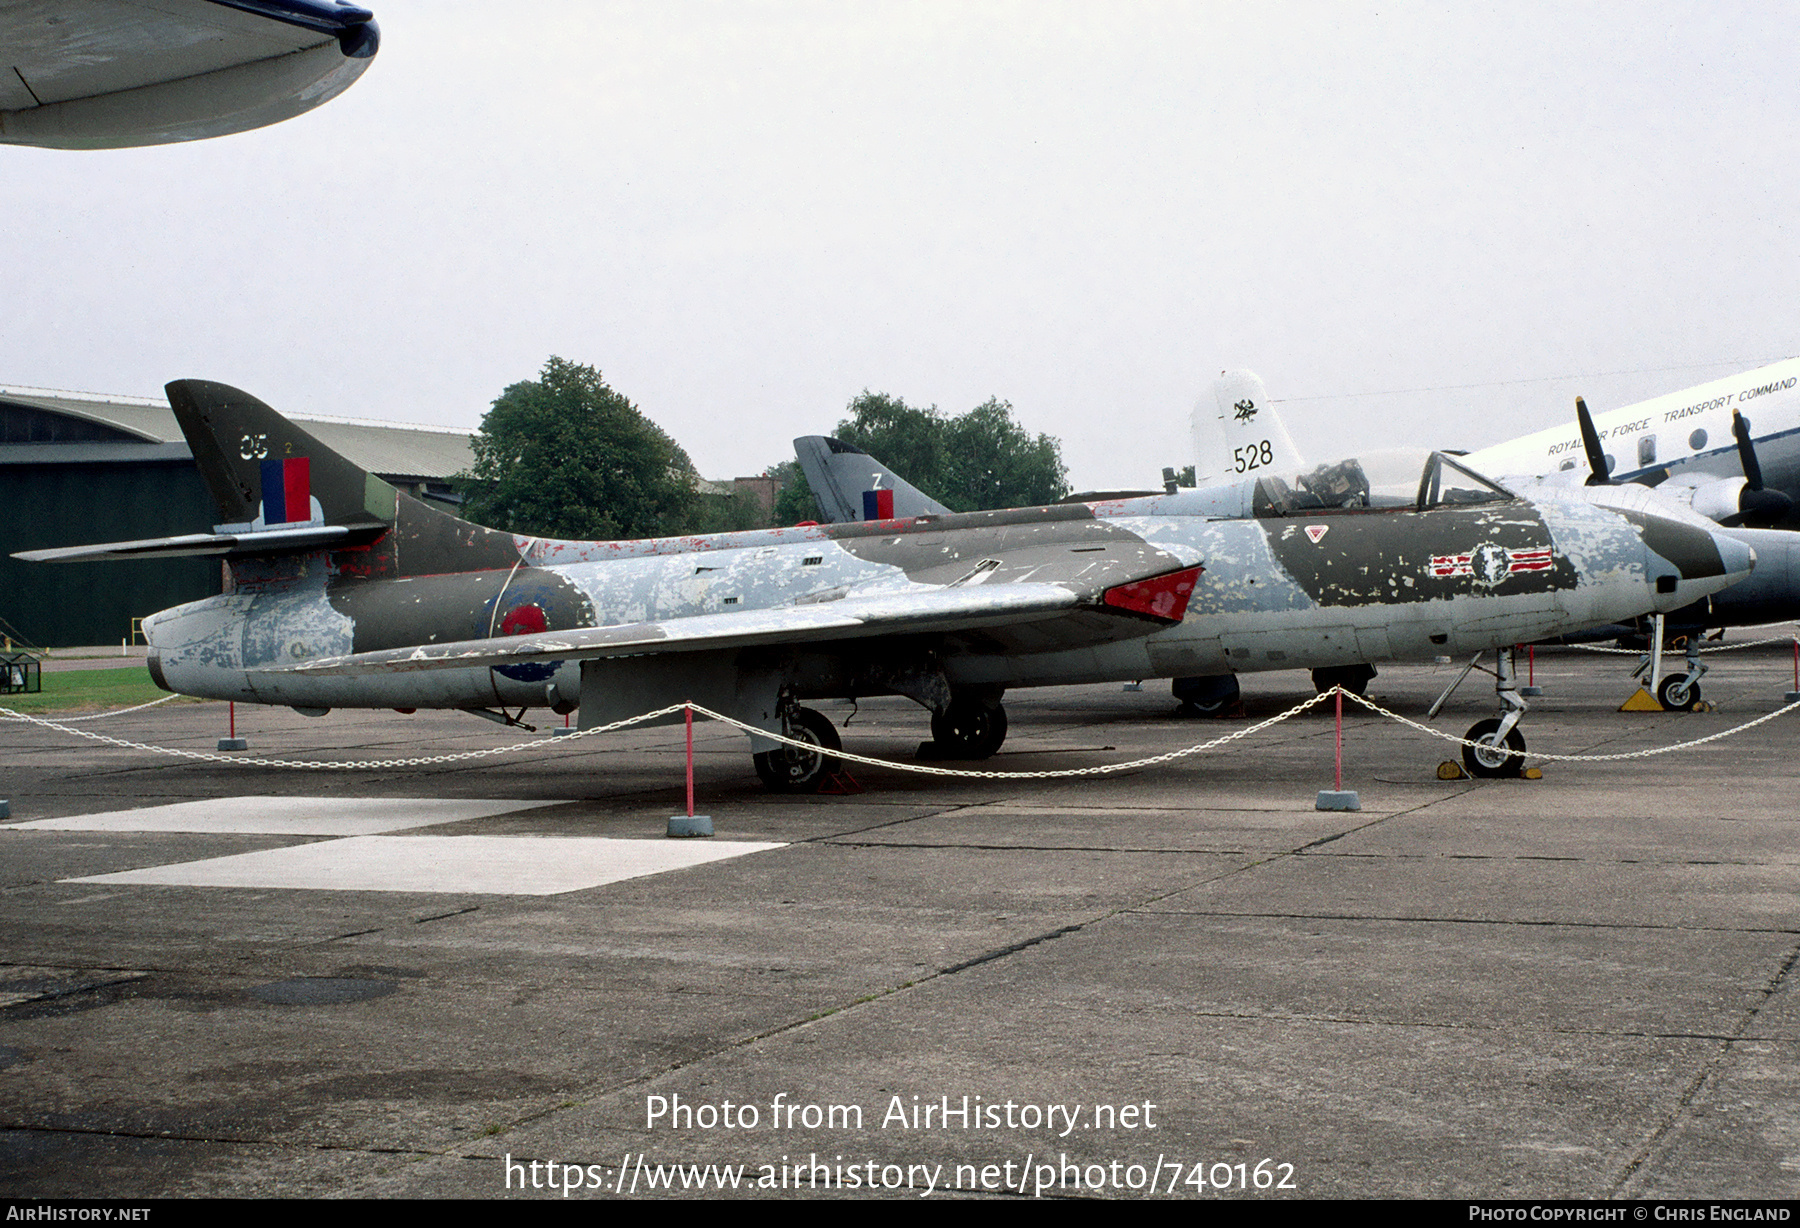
1498, 754
789, 769
1499, 749
1679, 692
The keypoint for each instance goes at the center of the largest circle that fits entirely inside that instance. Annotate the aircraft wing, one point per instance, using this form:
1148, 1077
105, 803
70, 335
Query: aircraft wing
1067, 618
109, 74
227, 545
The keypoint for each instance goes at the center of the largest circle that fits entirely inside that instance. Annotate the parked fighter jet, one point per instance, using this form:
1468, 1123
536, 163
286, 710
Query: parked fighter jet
345, 592
1692, 455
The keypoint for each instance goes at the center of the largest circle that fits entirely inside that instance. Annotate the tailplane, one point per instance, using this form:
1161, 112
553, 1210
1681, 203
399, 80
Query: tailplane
281, 492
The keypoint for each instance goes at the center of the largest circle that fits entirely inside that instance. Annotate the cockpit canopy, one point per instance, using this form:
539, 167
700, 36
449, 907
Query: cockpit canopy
1402, 479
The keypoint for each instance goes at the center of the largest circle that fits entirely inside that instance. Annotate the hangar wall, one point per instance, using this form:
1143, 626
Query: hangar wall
77, 469
55, 605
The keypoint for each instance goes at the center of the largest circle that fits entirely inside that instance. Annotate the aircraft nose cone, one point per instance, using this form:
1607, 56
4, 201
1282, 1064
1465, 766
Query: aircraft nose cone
1737, 557
1686, 562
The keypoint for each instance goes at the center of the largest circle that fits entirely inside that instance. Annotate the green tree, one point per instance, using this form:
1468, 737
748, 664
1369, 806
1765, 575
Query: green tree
969, 462
794, 499
566, 456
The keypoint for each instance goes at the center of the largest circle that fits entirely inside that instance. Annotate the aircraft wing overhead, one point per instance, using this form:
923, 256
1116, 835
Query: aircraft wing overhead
108, 74
1061, 617
225, 545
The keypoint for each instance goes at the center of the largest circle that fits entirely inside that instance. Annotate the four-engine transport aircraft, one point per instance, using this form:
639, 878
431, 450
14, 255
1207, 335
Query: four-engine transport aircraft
344, 592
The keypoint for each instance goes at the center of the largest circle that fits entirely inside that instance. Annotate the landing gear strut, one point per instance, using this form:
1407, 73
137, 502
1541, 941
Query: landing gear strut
1676, 692
1502, 747
788, 769
970, 728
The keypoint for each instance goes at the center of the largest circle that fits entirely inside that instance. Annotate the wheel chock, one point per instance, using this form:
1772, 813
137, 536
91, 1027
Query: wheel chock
1449, 769
1704, 705
1532, 774
1641, 701
839, 784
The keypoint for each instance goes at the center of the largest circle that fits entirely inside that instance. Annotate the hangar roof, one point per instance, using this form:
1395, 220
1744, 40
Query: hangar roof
66, 419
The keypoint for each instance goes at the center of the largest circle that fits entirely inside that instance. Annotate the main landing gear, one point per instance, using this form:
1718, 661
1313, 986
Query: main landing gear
789, 769
1500, 747
969, 728
1208, 695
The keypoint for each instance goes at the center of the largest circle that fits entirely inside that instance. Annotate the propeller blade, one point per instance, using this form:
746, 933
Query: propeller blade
1758, 507
1746, 451
1590, 441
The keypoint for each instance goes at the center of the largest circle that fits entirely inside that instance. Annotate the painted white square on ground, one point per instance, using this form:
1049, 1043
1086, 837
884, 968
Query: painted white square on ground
286, 816
490, 865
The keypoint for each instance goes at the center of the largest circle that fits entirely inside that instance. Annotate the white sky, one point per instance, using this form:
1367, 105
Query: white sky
745, 213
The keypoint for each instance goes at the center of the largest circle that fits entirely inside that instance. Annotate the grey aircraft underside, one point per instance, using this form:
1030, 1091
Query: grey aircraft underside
345, 592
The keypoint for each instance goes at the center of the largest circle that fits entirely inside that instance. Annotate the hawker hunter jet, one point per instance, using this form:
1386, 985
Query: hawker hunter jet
1693, 455
345, 592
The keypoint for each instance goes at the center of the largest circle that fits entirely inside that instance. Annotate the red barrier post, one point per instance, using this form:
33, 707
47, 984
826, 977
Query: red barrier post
1338, 774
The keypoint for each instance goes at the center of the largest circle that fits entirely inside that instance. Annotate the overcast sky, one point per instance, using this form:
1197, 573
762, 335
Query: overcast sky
743, 214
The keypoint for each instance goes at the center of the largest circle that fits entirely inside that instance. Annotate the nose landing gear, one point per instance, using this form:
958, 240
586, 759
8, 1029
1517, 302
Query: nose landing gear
1500, 749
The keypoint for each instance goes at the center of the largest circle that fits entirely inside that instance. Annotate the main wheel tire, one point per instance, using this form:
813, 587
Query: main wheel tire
1206, 695
1353, 678
1678, 693
969, 729
788, 769
1494, 758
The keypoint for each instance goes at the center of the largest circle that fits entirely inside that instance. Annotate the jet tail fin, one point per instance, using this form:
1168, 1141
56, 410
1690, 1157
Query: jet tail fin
266, 472
1237, 432
852, 485
281, 491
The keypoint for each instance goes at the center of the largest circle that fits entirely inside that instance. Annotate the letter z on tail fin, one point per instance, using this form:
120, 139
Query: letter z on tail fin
852, 485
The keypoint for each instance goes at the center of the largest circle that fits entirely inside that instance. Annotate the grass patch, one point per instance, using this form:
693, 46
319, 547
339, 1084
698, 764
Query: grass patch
82, 690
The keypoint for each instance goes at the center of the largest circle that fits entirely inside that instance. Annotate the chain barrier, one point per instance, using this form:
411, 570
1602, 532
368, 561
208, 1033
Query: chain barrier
850, 757
925, 769
556, 740
1372, 706
1643, 652
340, 765
115, 712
